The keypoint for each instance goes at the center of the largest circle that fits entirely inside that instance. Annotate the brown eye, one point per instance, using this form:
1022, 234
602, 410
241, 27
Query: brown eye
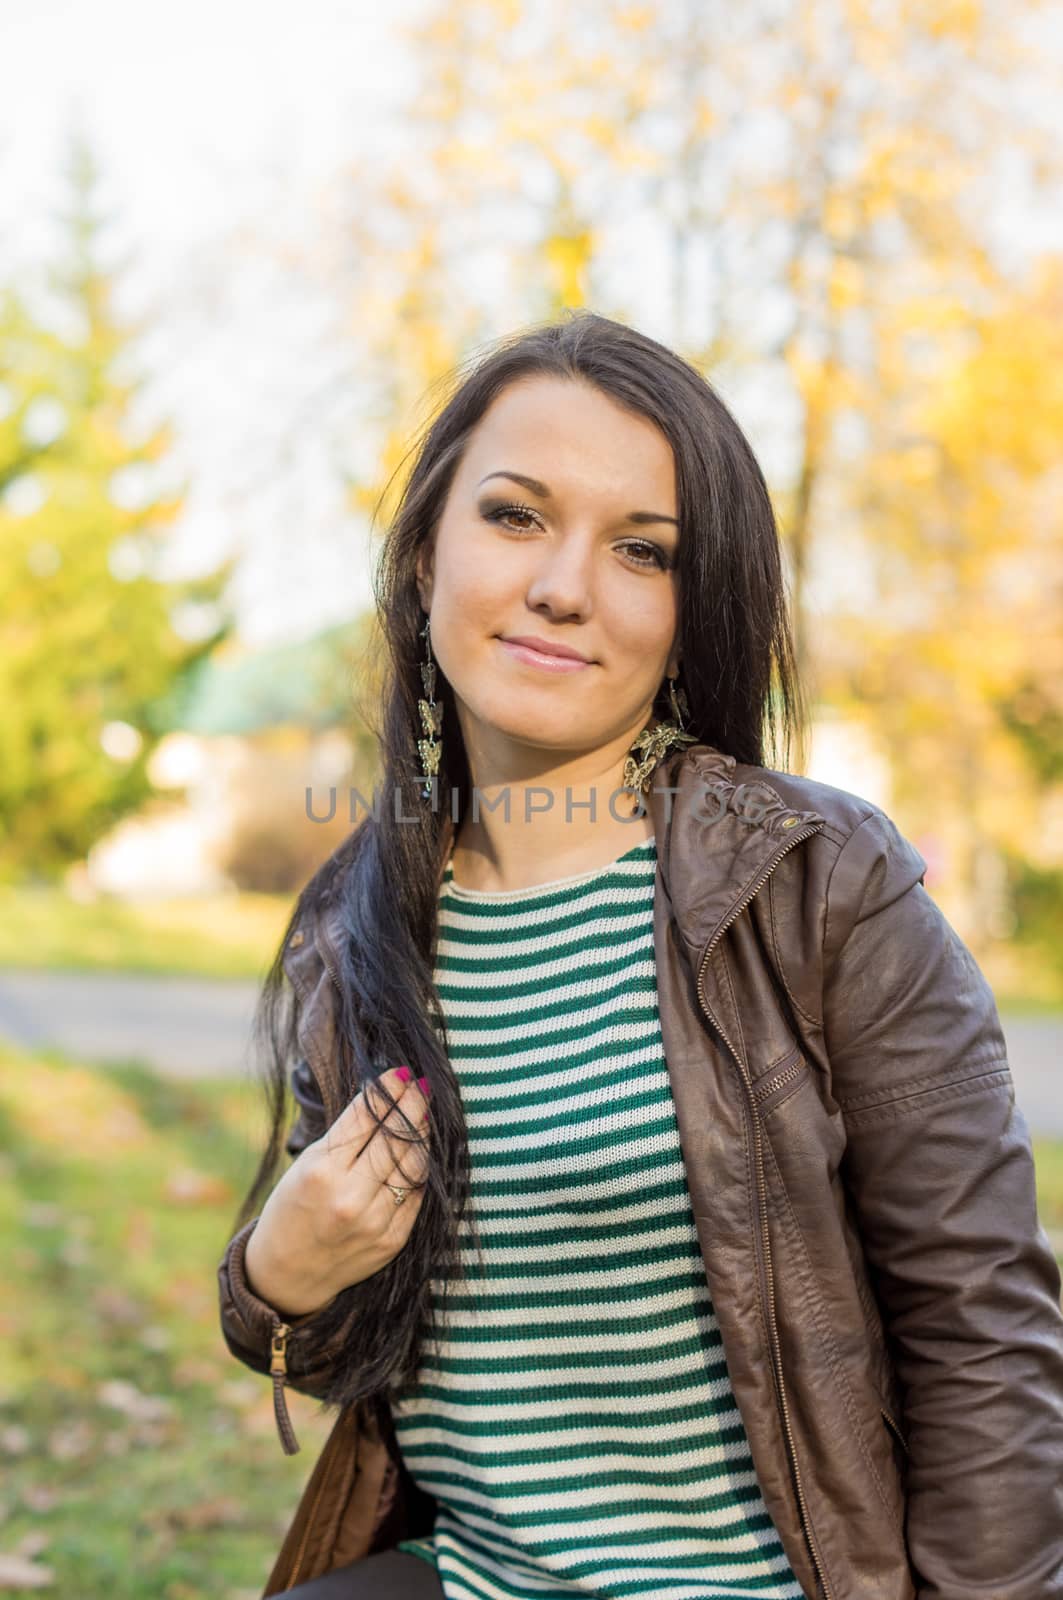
498, 512
656, 557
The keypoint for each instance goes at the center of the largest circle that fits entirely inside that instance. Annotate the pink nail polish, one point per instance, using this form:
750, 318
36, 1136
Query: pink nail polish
422, 1084
403, 1074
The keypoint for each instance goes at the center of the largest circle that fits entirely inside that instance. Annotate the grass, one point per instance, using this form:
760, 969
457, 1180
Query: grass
139, 1458
1048, 1159
218, 936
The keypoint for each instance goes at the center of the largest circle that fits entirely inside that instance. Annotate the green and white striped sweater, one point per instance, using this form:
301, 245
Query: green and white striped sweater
578, 1428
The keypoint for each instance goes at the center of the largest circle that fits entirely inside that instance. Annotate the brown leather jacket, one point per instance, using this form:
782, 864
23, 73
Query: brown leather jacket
863, 1187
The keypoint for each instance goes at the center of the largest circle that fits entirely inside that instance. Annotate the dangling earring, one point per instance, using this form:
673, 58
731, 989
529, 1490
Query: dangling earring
431, 717
655, 742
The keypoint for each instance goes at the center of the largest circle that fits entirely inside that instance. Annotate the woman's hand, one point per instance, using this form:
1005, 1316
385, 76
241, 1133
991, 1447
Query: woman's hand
331, 1221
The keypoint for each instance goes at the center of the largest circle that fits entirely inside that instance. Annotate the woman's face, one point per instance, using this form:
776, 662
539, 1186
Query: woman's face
583, 556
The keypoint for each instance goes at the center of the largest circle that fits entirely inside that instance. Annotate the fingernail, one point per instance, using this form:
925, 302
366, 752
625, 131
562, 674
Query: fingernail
422, 1084
403, 1074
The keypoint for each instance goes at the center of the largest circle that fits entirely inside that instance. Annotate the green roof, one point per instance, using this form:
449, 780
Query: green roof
308, 683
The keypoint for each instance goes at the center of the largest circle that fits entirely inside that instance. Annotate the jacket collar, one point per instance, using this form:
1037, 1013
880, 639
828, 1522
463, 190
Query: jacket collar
720, 829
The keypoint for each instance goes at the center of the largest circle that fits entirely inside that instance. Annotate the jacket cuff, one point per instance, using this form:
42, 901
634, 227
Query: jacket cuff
247, 1319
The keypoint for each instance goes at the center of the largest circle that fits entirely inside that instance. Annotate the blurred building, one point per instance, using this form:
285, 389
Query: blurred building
248, 735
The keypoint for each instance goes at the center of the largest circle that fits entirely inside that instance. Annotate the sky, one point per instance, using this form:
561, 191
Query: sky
216, 126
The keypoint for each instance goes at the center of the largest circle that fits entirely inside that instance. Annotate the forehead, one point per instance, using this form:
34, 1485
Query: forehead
573, 438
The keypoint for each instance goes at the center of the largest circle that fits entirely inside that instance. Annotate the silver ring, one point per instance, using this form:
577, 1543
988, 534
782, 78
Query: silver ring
400, 1194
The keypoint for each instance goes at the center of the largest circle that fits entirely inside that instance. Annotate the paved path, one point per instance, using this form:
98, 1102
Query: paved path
200, 1027
184, 1027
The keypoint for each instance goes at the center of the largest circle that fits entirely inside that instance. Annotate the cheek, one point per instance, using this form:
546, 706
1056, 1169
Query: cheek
640, 619
476, 583
474, 597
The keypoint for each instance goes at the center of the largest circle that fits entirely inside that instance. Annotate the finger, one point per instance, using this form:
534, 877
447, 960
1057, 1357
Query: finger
410, 1155
358, 1121
408, 1115
395, 1219
398, 1147
397, 1215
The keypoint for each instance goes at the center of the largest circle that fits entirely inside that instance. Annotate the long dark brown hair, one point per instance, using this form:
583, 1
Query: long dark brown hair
741, 682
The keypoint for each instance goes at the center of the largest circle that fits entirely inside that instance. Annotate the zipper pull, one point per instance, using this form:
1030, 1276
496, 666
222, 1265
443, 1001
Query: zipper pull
278, 1371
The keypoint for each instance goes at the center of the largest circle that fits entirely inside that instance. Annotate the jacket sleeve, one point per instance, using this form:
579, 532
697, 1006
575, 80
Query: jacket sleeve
939, 1165
247, 1321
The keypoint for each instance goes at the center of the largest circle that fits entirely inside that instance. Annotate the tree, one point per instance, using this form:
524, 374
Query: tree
90, 635
962, 656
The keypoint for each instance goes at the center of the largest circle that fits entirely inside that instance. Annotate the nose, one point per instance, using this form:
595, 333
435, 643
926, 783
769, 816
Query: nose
563, 581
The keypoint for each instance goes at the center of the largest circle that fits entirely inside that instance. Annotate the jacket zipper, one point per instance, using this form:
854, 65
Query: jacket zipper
762, 1193
278, 1367
326, 961
895, 1430
249, 1309
769, 1087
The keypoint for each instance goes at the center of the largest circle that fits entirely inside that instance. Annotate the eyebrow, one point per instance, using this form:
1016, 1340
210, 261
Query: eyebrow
534, 486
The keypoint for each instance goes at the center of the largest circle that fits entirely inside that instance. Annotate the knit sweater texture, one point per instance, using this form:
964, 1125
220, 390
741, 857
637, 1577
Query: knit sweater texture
575, 1421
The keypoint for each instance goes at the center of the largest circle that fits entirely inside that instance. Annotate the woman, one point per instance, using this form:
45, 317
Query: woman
702, 1257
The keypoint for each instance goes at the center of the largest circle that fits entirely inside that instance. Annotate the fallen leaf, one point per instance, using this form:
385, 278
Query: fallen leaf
116, 1306
31, 1544
16, 1572
223, 1511
189, 1187
139, 1237
128, 1399
195, 1369
156, 1338
38, 1497
42, 1214
240, 1393
71, 1440
152, 1434
73, 1108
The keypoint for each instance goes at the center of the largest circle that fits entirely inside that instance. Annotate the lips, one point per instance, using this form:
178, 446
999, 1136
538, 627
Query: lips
545, 647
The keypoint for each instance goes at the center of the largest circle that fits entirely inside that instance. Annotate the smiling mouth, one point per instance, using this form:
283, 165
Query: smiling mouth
531, 655
544, 647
